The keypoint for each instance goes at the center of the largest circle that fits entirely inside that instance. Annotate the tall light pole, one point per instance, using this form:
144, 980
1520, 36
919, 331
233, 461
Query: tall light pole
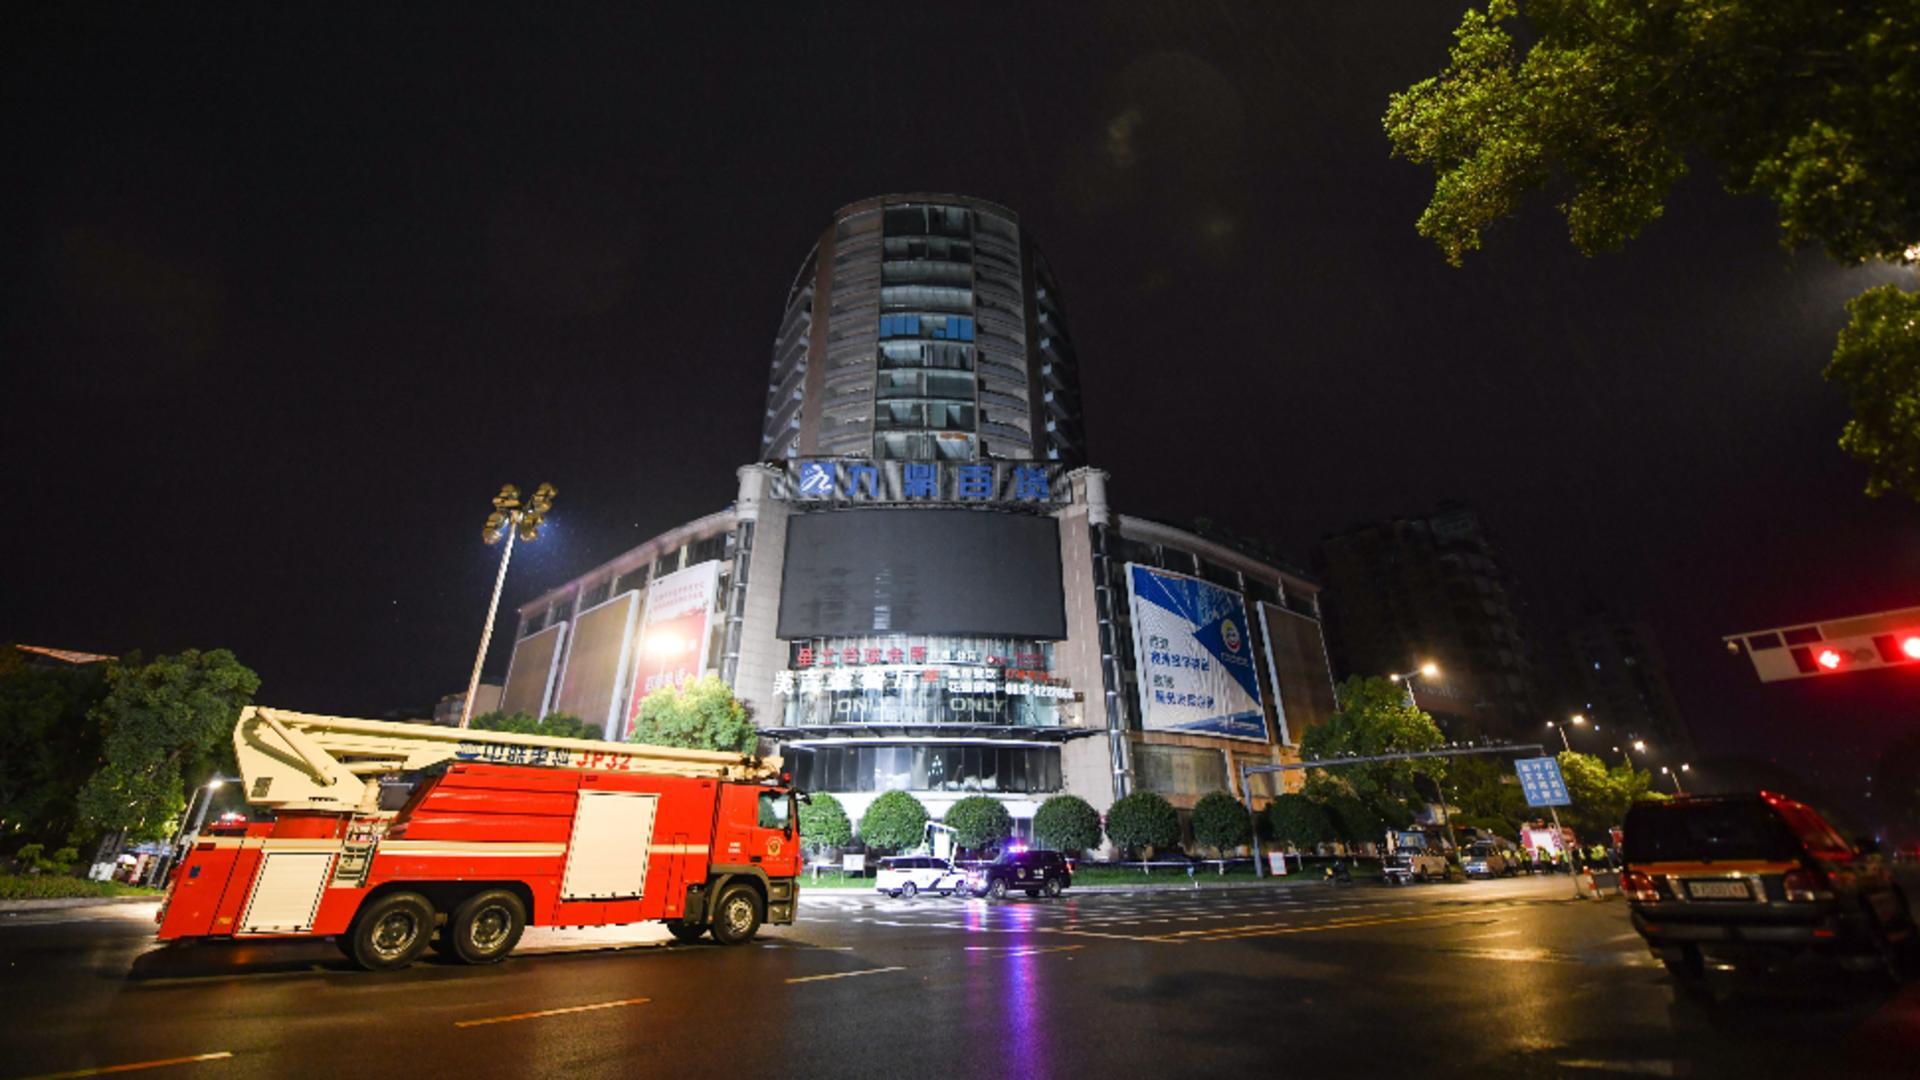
1405, 678
508, 519
1626, 752
1576, 718
1675, 776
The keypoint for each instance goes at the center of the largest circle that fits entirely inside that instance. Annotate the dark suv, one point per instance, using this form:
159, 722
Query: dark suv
1034, 871
1756, 877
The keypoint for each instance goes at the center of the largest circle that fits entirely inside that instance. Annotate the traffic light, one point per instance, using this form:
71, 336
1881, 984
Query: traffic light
1837, 647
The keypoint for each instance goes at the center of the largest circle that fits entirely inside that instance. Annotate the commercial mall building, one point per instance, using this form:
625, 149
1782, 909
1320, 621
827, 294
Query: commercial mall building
920, 583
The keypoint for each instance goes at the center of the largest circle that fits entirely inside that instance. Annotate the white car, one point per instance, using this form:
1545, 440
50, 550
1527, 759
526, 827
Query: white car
911, 875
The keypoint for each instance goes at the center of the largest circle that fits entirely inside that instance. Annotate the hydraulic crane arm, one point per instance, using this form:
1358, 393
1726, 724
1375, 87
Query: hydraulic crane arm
292, 760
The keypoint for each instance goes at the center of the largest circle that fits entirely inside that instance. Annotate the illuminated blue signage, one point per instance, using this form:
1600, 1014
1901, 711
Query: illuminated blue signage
859, 480
1540, 778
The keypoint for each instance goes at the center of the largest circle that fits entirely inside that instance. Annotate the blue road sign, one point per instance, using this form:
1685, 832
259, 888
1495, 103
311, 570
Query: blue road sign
1540, 778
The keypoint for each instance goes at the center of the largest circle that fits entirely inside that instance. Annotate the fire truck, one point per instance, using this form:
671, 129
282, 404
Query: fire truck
500, 831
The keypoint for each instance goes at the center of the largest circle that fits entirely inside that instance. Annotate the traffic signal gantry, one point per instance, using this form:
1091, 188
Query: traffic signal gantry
1835, 647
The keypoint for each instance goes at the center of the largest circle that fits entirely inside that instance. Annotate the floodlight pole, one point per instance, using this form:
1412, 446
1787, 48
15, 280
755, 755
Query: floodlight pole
486, 632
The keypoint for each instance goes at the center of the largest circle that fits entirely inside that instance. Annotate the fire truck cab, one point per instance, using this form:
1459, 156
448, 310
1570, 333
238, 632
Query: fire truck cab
501, 831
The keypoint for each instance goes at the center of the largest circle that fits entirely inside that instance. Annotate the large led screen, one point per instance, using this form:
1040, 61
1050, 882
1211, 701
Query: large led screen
975, 572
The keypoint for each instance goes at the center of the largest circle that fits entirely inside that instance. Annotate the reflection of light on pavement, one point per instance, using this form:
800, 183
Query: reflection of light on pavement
1027, 1042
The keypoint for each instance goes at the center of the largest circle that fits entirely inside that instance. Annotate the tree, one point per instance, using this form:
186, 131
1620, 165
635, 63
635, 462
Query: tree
1300, 822
1485, 792
1810, 105
701, 715
896, 821
1878, 361
1067, 823
162, 721
1355, 821
50, 741
824, 824
1374, 718
1221, 823
1143, 820
1600, 795
979, 822
556, 725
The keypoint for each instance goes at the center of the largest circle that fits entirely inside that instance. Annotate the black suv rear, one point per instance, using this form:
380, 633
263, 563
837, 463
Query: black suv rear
1035, 872
1756, 876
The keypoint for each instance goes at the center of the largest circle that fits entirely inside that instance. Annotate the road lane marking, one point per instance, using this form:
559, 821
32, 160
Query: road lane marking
1233, 933
133, 1066
844, 974
1023, 950
550, 1012
1495, 934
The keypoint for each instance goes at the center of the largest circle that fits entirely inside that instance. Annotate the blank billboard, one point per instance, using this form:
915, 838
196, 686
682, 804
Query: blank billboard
851, 573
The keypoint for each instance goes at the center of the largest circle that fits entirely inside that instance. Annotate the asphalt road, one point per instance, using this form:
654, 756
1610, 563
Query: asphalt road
1490, 978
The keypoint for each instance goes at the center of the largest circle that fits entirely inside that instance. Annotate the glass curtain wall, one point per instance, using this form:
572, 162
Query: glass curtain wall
926, 400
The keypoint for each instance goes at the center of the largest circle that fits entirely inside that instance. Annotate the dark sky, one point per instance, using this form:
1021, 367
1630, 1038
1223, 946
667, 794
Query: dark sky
286, 301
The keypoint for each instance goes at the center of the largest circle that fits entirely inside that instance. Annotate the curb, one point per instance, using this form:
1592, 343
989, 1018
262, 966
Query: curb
61, 902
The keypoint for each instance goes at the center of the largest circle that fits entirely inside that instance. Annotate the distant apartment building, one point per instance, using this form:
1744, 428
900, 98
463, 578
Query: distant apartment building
1404, 592
1623, 682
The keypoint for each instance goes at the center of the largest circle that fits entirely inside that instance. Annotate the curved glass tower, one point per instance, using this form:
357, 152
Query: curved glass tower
924, 328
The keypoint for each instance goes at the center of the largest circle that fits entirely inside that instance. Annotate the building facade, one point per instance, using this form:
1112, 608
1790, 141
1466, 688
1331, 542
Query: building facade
1433, 588
1623, 678
920, 586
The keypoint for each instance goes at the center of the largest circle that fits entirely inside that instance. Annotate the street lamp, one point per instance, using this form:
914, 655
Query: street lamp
1675, 776
1427, 670
1576, 718
509, 519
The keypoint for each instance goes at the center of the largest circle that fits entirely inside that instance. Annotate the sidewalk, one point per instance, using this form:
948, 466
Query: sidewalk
59, 903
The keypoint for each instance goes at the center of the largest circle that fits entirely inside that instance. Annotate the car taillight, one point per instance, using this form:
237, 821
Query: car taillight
1638, 886
1804, 886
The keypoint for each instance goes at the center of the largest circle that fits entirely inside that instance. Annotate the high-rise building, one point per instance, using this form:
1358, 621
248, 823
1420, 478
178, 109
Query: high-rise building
1623, 678
920, 585
924, 328
1432, 588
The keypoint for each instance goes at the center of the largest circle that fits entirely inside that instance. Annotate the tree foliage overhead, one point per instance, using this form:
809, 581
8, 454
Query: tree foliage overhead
1878, 361
166, 723
1221, 823
1067, 823
1374, 718
896, 821
824, 824
979, 822
701, 715
1143, 820
1810, 104
557, 725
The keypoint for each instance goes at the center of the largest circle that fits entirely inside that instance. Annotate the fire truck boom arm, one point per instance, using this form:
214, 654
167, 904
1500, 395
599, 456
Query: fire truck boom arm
292, 760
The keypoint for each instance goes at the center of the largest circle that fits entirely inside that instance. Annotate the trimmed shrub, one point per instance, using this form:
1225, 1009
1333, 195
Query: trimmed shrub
824, 824
1221, 823
895, 822
1143, 820
979, 822
1299, 822
1067, 823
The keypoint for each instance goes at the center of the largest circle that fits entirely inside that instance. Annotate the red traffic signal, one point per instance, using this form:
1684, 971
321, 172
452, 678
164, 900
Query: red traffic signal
1899, 648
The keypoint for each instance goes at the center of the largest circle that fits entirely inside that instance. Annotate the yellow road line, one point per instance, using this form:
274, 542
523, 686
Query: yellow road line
105, 1069
550, 1012
844, 974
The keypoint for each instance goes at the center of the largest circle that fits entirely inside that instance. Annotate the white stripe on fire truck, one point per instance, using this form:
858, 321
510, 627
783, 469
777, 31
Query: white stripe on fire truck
440, 847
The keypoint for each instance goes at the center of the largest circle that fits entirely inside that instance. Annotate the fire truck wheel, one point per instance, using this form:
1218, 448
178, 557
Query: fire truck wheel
486, 927
391, 932
736, 918
682, 932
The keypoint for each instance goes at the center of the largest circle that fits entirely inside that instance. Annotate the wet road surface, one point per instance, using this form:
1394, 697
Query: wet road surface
1505, 978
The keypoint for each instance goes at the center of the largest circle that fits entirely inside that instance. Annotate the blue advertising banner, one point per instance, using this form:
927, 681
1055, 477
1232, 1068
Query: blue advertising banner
1540, 778
1194, 656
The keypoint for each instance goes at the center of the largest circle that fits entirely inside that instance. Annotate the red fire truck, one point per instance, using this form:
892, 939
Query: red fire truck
501, 831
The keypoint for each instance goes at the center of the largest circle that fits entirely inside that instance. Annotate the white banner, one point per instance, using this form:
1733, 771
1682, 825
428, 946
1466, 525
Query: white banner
1194, 656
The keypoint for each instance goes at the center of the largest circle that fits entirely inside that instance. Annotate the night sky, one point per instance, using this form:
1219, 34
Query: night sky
286, 301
